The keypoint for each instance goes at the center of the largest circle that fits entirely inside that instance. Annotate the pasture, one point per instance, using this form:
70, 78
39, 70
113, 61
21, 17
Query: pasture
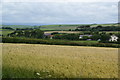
75, 32
64, 32
56, 27
5, 32
53, 61
70, 26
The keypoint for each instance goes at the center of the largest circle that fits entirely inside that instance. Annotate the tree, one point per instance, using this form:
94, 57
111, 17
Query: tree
99, 26
67, 36
7, 28
105, 37
87, 32
95, 37
54, 33
37, 33
85, 37
70, 30
60, 25
87, 26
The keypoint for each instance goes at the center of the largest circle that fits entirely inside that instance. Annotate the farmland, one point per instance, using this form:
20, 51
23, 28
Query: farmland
62, 28
69, 26
57, 27
53, 61
79, 32
5, 32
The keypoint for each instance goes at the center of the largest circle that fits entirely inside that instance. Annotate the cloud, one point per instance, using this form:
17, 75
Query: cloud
60, 12
60, 0
0, 13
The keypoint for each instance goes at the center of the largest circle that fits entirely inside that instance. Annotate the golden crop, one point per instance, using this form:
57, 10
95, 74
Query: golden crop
46, 61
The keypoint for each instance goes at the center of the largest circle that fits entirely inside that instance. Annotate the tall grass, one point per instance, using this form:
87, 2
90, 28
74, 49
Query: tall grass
53, 61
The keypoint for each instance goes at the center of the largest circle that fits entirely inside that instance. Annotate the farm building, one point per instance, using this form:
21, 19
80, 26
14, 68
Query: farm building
113, 38
81, 36
48, 35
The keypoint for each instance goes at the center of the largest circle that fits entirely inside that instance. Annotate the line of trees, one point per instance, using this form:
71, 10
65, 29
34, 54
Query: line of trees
96, 36
54, 42
97, 28
37, 33
9, 28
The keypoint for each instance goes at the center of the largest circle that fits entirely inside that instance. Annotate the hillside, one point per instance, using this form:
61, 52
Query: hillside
56, 27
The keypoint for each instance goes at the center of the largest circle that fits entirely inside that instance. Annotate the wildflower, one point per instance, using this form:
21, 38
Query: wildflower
49, 75
38, 74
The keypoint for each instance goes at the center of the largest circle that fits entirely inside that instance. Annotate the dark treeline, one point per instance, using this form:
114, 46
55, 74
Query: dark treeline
24, 28
54, 42
39, 34
9, 28
97, 28
29, 33
95, 36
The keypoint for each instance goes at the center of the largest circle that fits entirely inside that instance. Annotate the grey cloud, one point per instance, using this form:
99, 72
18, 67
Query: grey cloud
53, 12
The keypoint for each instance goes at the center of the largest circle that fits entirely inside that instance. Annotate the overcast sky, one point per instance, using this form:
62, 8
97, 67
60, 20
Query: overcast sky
60, 12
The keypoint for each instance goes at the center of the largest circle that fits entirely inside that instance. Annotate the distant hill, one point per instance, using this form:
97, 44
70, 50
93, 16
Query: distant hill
54, 26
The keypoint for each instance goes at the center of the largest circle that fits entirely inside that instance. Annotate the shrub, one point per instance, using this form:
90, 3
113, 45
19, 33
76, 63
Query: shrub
67, 36
55, 42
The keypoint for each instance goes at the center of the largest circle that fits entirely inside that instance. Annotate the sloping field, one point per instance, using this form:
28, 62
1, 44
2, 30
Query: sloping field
53, 61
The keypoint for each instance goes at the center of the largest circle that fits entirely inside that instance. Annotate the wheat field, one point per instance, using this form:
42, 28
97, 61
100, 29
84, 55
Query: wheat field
55, 61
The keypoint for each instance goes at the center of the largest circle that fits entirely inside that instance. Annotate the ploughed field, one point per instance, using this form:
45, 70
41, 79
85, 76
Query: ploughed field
55, 61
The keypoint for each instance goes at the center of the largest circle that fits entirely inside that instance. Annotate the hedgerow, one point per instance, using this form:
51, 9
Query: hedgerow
55, 42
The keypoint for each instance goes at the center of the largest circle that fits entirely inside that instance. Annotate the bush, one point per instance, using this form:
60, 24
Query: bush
67, 36
55, 42
37, 33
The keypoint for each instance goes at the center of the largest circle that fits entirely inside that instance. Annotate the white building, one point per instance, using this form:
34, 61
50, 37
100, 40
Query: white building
113, 38
81, 36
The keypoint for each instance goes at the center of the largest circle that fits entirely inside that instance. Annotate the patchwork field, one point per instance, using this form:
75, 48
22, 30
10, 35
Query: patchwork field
57, 26
53, 61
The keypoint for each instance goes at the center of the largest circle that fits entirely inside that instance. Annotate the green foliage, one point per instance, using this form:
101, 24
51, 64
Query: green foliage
55, 42
98, 28
18, 26
37, 33
67, 36
95, 37
9, 28
105, 37
85, 37
87, 32
24, 28
5, 32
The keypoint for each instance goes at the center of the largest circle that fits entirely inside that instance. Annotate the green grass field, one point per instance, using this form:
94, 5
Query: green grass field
104, 25
57, 27
18, 26
5, 32
53, 61
72, 27
86, 41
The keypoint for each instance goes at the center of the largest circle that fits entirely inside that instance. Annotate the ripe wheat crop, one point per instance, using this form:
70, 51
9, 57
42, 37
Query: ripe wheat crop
54, 61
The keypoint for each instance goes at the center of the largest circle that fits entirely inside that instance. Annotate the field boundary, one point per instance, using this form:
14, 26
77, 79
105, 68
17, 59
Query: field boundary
55, 42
